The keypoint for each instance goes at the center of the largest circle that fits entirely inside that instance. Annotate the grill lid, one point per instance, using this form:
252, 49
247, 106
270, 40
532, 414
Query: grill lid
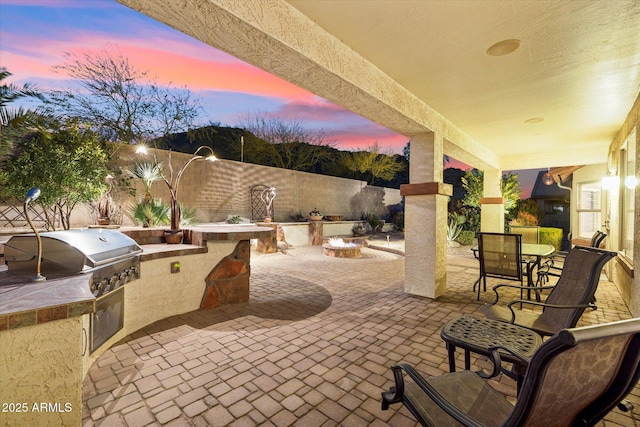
74, 250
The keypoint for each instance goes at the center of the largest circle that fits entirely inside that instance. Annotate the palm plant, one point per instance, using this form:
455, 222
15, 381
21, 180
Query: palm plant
151, 214
9, 92
147, 210
17, 118
148, 173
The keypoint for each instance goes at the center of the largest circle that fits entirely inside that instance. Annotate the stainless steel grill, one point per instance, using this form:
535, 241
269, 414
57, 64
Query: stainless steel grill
112, 257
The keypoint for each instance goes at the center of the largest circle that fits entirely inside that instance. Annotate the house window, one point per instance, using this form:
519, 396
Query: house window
628, 174
589, 211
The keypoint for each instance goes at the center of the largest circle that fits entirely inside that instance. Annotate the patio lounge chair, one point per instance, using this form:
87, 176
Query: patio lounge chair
574, 379
572, 294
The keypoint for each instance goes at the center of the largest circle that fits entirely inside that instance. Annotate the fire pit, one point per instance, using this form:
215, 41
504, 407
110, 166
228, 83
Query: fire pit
340, 249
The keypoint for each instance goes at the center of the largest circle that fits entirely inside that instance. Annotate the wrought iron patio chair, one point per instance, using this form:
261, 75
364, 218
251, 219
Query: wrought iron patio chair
574, 379
529, 233
569, 297
553, 266
500, 257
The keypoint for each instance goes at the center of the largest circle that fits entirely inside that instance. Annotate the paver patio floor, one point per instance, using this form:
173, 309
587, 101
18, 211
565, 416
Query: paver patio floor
312, 347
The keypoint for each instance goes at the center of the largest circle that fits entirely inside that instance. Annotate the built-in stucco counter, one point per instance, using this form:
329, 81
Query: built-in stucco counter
44, 352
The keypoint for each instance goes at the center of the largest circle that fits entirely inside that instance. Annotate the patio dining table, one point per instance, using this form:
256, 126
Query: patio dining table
536, 251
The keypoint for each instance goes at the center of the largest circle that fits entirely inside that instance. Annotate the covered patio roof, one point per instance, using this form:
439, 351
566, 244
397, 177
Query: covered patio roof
423, 66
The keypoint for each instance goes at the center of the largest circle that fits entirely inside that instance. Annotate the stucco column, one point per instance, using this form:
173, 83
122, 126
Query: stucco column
492, 203
426, 198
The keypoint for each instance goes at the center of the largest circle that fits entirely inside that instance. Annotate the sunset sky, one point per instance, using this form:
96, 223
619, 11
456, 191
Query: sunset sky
35, 35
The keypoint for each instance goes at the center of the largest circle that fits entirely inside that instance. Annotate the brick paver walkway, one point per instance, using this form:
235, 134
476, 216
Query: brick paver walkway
313, 347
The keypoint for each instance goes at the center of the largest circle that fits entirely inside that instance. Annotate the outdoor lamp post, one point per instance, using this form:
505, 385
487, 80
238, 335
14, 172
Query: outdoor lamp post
32, 195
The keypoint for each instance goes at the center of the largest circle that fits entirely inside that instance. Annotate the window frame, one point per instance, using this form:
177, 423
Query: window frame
580, 210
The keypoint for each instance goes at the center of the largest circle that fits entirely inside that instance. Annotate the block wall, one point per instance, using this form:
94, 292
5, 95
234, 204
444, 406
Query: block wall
223, 188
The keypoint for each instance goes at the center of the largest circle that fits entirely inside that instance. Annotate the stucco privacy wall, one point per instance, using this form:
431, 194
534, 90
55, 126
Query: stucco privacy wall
223, 188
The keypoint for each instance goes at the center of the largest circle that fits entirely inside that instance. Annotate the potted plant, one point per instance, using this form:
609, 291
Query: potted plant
358, 230
315, 215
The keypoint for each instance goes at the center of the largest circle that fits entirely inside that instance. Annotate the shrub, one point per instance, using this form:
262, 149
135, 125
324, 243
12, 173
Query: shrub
530, 206
466, 237
398, 220
374, 222
235, 219
298, 217
551, 236
524, 219
150, 214
187, 215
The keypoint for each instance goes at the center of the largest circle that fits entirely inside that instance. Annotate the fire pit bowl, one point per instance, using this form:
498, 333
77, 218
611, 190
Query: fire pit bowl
339, 249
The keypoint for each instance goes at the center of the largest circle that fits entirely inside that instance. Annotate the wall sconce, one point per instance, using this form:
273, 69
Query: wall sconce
611, 182
32, 195
630, 182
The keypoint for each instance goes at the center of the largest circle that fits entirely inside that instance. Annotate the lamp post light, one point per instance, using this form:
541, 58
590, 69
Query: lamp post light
173, 180
32, 195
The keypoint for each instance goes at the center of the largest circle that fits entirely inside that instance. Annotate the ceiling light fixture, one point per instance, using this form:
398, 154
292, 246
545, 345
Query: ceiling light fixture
504, 47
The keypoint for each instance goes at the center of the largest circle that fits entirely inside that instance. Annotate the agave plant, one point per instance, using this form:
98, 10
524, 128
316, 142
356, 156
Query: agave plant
454, 226
187, 215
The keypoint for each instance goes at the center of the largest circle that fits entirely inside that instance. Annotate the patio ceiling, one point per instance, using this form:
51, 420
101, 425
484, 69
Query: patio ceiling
416, 66
578, 67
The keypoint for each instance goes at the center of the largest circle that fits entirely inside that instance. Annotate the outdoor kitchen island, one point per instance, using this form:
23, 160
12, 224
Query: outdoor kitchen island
46, 327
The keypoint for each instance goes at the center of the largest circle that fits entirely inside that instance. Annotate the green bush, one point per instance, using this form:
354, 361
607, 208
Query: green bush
466, 237
551, 236
398, 220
